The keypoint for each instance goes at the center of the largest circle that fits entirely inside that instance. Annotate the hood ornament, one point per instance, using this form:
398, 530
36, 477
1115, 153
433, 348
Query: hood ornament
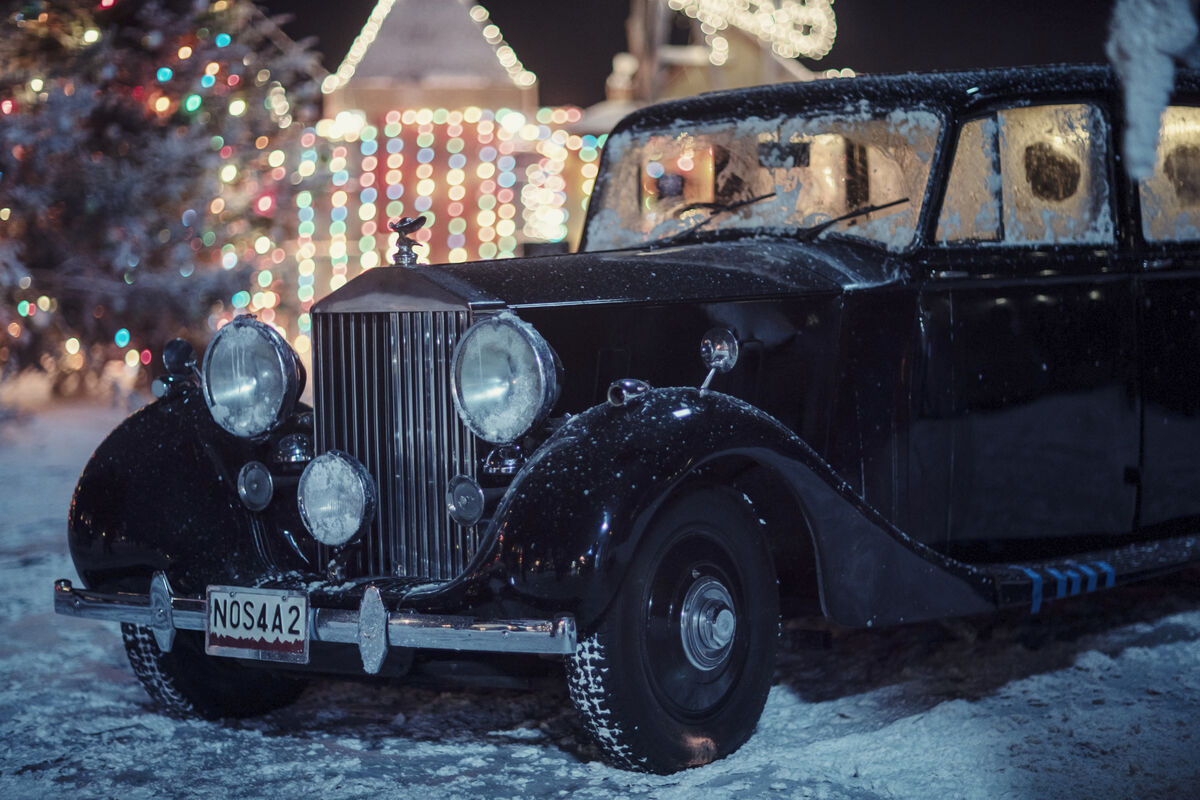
405, 255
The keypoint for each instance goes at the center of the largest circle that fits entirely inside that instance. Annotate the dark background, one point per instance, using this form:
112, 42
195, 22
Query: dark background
569, 44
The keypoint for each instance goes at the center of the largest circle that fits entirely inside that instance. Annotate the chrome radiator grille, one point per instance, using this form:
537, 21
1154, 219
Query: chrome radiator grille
382, 393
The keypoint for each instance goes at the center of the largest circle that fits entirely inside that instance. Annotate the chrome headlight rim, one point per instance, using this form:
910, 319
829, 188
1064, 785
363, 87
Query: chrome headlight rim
291, 374
368, 498
547, 374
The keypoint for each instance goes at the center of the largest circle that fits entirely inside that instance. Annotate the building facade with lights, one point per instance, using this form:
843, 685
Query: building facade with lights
431, 113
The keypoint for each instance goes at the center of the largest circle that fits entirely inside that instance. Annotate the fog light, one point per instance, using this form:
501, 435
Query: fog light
337, 498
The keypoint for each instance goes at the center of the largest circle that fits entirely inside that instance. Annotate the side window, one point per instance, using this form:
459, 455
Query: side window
971, 212
1034, 175
1171, 196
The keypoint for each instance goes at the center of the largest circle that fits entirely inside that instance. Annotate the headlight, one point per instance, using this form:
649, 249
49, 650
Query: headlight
251, 377
505, 378
336, 497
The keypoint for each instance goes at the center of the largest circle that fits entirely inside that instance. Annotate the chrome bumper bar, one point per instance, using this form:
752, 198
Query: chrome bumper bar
371, 627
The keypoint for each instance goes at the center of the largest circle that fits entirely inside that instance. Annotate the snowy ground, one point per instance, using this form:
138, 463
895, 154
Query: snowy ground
1097, 697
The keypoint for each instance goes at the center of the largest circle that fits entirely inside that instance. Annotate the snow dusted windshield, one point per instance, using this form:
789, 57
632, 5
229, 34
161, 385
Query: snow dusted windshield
665, 182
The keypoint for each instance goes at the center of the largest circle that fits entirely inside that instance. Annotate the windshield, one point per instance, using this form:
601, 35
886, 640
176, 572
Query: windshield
801, 171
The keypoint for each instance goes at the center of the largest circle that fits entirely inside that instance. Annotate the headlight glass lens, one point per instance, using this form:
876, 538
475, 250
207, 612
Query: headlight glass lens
505, 378
251, 377
336, 497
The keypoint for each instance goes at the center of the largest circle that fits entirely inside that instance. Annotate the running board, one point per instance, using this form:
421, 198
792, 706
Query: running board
1036, 583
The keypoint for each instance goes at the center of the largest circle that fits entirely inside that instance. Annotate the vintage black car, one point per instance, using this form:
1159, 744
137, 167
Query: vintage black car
879, 350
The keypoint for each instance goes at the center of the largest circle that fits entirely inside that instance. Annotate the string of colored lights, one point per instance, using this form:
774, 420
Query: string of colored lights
220, 83
487, 182
792, 27
370, 30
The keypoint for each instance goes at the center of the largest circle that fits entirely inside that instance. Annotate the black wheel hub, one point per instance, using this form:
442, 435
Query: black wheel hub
695, 647
707, 623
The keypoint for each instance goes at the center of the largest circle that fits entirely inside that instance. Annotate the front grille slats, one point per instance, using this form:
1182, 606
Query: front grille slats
382, 394
441, 386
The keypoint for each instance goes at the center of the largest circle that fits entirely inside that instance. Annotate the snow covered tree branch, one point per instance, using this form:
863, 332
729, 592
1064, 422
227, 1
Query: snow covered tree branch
140, 151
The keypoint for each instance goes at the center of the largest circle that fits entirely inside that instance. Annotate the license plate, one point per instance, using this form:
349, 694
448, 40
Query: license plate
263, 624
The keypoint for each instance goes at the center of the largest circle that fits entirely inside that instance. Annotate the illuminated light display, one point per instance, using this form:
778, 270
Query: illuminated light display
487, 181
792, 28
505, 55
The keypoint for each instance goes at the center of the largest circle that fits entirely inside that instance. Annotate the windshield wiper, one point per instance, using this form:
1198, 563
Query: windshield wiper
715, 209
812, 232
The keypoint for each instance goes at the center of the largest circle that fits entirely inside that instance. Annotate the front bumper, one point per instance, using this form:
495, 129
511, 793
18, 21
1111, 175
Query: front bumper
372, 627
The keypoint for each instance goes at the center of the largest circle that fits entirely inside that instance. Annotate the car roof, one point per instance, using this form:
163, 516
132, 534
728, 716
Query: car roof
959, 91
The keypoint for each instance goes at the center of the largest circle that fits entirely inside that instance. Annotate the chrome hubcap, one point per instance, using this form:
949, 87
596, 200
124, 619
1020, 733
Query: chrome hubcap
707, 624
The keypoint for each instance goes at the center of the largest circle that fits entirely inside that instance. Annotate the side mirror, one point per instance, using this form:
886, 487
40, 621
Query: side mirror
719, 351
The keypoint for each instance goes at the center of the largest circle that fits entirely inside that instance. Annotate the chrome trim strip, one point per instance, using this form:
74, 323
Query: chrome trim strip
423, 631
556, 636
186, 613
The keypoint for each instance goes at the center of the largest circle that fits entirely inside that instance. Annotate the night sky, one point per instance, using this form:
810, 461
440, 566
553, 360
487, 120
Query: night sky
569, 44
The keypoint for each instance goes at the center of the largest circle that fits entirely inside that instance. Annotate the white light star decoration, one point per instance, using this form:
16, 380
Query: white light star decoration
792, 27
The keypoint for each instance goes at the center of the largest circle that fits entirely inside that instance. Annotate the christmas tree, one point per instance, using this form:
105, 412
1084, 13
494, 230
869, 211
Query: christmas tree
148, 152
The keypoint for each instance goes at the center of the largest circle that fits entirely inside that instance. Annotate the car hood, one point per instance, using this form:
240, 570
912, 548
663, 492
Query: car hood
745, 268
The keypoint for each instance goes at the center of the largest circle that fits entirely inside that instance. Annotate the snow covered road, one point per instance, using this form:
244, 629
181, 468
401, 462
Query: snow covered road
1097, 697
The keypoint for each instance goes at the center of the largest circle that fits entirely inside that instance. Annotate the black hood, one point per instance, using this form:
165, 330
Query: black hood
745, 268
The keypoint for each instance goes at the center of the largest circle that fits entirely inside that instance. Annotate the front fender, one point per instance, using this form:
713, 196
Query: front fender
568, 528
160, 494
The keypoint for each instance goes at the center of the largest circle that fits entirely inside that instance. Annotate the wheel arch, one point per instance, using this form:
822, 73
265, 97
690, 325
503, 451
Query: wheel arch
784, 522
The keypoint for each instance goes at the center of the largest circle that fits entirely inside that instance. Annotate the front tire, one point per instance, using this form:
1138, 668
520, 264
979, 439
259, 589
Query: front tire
677, 672
188, 683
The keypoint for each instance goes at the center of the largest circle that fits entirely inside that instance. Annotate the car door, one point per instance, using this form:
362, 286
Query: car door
1169, 289
1039, 320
